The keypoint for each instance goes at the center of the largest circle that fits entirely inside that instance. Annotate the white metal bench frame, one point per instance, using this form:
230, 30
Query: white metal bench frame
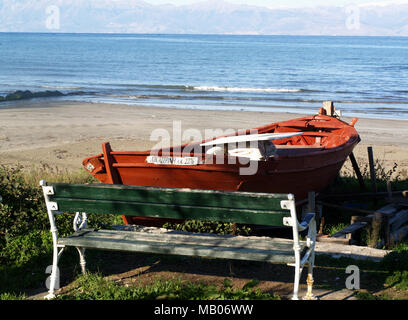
309, 223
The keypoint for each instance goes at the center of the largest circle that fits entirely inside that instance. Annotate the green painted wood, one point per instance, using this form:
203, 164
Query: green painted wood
225, 199
174, 211
196, 250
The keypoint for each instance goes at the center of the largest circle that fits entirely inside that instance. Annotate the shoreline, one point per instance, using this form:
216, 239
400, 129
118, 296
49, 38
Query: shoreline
275, 109
63, 133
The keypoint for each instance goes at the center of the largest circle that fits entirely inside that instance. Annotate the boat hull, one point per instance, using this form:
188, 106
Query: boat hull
303, 164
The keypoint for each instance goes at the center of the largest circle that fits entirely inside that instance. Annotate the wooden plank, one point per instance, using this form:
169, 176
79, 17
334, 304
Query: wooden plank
350, 229
251, 137
210, 198
173, 211
176, 237
350, 196
284, 256
398, 220
385, 210
399, 201
343, 241
399, 235
298, 146
112, 174
350, 251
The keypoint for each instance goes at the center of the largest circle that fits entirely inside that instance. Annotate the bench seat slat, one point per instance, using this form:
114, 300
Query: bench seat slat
187, 249
174, 211
171, 237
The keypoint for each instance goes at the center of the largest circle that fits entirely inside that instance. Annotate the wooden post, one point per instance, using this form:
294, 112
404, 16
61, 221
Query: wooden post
375, 232
357, 171
311, 204
372, 172
329, 107
389, 190
354, 236
372, 169
386, 230
321, 225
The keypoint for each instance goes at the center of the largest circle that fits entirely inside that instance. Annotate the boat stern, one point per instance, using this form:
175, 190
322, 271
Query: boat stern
96, 166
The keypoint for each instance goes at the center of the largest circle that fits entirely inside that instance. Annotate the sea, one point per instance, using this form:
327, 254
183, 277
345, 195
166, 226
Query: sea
363, 76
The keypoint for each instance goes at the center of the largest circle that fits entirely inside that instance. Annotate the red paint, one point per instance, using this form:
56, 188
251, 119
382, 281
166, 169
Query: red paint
296, 173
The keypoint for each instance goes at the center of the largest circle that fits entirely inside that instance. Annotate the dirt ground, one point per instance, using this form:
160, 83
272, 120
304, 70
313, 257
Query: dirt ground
142, 269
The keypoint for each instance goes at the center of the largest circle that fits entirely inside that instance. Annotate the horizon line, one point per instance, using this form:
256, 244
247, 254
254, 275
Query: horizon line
202, 34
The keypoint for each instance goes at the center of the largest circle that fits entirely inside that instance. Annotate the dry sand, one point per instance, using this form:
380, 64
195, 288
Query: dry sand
62, 134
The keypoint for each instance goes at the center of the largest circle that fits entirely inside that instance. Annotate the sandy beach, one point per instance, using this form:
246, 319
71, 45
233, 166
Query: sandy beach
61, 134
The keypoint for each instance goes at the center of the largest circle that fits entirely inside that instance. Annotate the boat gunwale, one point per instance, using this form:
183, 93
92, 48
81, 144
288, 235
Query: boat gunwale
169, 153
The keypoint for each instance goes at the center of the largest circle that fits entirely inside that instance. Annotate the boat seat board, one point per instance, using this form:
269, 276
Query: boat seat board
296, 146
251, 137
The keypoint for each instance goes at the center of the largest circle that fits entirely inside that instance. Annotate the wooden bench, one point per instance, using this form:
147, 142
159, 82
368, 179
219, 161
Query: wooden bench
207, 205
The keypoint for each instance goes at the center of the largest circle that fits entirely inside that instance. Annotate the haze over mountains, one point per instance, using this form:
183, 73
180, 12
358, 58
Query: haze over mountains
209, 17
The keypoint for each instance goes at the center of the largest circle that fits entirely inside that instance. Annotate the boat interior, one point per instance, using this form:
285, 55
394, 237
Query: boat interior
309, 135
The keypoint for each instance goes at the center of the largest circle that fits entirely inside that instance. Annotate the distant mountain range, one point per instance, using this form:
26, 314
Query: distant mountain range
210, 17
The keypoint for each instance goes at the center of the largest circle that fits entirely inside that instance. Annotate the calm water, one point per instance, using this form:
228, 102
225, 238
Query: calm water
365, 76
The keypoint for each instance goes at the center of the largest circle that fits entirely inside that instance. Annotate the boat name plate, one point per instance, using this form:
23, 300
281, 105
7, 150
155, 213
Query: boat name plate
176, 161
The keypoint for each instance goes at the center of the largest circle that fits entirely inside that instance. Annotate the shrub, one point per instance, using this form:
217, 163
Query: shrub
399, 280
21, 212
24, 224
208, 227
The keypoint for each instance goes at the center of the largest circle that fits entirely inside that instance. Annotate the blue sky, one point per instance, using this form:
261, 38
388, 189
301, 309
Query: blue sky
285, 3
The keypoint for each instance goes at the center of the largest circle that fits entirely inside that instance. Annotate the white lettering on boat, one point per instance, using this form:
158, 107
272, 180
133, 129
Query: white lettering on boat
177, 161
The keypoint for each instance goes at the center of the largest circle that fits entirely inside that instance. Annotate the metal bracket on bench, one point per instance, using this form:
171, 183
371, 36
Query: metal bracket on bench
286, 204
48, 190
287, 221
53, 206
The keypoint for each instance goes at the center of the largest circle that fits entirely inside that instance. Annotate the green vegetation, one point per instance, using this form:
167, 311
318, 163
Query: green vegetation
209, 227
95, 287
25, 240
332, 229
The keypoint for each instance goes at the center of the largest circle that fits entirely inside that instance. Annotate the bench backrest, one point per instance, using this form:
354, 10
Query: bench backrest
208, 205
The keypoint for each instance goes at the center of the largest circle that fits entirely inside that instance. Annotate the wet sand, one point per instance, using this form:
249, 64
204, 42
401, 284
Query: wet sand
61, 134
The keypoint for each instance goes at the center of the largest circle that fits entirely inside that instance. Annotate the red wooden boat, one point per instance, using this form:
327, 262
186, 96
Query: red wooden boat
305, 154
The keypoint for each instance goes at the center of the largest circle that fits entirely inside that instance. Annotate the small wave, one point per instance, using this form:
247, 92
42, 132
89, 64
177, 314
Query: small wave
61, 87
237, 89
157, 86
